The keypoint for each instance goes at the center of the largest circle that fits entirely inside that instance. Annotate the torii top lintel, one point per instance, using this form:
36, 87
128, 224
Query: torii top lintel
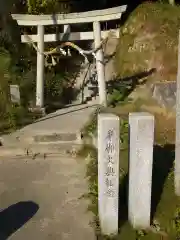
70, 18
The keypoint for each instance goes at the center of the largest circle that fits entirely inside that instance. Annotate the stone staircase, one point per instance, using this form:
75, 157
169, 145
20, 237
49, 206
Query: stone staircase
87, 84
57, 133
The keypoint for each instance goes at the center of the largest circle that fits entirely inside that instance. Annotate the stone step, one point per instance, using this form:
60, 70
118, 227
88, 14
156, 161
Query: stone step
92, 87
43, 137
43, 145
58, 137
88, 77
44, 150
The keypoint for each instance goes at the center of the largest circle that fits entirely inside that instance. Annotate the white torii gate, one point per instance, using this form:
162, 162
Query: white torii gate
66, 19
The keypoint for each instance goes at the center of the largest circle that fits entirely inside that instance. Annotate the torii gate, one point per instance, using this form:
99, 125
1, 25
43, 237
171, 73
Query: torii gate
97, 35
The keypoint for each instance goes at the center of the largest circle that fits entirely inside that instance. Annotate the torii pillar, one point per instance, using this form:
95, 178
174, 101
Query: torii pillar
100, 64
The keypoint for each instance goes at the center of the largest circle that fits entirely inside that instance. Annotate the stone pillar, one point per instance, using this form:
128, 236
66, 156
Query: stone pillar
140, 168
108, 172
100, 64
177, 147
15, 94
40, 68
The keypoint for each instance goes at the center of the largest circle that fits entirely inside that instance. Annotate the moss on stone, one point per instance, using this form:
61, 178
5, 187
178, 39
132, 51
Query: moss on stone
149, 40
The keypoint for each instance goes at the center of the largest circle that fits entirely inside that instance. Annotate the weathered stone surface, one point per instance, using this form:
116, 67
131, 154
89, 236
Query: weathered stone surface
15, 93
140, 168
65, 137
165, 94
149, 40
177, 143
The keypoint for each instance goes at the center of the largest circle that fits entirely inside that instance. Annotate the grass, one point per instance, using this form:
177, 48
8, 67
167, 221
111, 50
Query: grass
164, 202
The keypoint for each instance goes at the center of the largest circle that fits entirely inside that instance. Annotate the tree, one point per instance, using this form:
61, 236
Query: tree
9, 30
48, 6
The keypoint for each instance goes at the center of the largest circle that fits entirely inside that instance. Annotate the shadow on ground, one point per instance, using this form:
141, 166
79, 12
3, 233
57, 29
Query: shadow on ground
123, 201
122, 87
15, 216
162, 164
125, 86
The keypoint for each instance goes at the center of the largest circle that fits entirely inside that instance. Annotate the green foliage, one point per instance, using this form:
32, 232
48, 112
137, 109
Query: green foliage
118, 95
167, 1
12, 115
140, 234
115, 97
91, 127
124, 133
54, 85
48, 6
176, 222
15, 115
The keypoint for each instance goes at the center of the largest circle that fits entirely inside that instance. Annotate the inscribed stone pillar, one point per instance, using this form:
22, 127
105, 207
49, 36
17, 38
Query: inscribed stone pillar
108, 172
140, 168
